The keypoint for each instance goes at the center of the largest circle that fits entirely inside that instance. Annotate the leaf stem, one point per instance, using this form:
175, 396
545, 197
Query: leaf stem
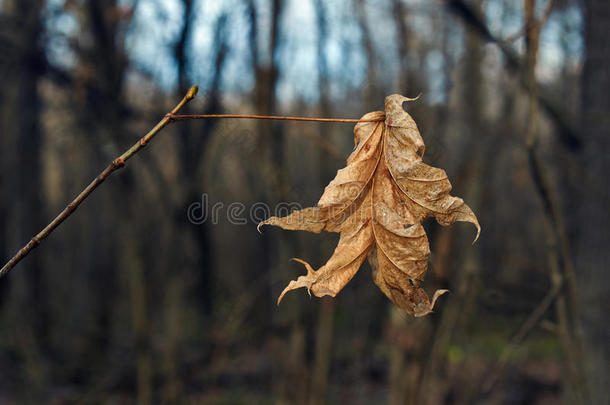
265, 117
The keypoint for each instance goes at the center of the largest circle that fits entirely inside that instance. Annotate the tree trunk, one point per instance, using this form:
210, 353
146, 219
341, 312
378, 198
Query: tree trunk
591, 253
326, 316
22, 138
371, 91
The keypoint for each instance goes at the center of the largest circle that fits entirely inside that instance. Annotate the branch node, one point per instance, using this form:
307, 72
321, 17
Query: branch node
118, 162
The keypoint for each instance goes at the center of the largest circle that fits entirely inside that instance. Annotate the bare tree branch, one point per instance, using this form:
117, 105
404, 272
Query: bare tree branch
568, 134
115, 165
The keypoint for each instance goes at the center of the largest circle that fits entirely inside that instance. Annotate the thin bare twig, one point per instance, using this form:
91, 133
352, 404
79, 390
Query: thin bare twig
112, 167
559, 259
569, 134
540, 23
120, 161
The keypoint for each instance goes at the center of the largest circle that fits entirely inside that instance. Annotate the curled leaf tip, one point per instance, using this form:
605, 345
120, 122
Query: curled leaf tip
260, 225
478, 232
303, 281
279, 299
437, 294
414, 99
423, 309
310, 270
398, 99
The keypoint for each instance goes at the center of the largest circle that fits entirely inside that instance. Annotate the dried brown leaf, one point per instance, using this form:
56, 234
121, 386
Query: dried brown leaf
377, 203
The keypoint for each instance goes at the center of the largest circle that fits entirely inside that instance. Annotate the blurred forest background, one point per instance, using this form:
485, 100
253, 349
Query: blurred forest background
129, 301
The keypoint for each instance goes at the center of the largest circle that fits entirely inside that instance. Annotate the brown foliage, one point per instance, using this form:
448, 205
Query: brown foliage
377, 203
